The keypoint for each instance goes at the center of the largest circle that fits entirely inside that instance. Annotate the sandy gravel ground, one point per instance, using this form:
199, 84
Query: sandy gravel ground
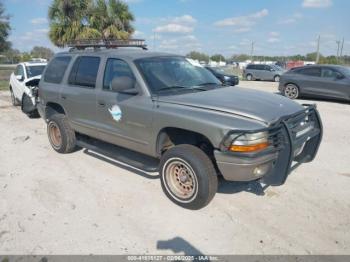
81, 204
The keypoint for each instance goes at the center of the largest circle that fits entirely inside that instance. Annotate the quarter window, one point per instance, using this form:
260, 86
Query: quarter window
84, 71
56, 69
115, 68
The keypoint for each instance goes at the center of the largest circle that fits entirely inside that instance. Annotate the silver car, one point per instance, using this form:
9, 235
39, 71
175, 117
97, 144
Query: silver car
263, 72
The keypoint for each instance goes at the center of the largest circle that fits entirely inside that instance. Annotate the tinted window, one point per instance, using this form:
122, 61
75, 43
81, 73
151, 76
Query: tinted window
115, 68
266, 67
260, 67
84, 71
33, 71
251, 67
329, 73
56, 69
312, 71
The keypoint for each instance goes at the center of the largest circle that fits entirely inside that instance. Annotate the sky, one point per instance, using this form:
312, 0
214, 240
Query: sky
277, 27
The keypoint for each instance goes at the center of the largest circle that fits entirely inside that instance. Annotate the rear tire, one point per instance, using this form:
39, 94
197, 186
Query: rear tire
188, 177
61, 135
249, 77
14, 100
291, 91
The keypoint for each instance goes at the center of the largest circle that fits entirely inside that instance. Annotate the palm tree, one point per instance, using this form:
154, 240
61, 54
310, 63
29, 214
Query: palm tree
112, 18
88, 19
4, 29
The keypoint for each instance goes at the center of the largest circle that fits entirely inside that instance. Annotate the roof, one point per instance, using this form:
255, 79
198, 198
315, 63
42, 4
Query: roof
34, 63
131, 53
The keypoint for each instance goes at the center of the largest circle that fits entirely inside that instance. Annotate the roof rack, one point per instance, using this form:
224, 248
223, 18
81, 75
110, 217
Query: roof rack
106, 43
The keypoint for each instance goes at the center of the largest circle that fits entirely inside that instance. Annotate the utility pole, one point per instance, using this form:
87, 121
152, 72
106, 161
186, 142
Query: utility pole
252, 51
338, 44
154, 41
318, 49
341, 49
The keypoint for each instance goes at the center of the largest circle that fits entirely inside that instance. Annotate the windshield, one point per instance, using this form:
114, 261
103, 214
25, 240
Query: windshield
174, 73
33, 71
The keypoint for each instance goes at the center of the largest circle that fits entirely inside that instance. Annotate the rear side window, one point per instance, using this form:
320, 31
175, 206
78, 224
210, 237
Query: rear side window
19, 71
84, 71
251, 67
56, 69
329, 73
312, 71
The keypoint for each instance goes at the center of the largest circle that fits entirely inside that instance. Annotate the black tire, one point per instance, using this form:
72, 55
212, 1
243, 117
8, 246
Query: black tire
249, 77
201, 175
276, 78
291, 91
67, 141
14, 100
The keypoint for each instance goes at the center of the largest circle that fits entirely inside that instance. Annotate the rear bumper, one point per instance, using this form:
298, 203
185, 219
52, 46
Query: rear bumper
272, 166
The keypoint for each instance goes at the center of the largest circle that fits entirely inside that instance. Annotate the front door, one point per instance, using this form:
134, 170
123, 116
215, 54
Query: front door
124, 119
334, 84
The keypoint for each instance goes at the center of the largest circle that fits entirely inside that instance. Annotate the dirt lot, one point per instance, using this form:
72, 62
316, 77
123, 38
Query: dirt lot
81, 204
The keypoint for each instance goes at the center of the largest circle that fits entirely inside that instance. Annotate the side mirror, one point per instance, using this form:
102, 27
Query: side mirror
124, 84
20, 77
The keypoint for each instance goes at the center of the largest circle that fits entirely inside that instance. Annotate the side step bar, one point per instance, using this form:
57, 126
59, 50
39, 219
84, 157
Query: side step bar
118, 154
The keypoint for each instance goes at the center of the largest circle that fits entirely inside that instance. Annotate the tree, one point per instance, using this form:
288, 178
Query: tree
42, 52
218, 58
25, 57
87, 19
198, 56
12, 56
4, 29
113, 19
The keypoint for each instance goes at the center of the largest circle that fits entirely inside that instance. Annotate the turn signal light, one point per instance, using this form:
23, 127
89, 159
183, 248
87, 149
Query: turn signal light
249, 148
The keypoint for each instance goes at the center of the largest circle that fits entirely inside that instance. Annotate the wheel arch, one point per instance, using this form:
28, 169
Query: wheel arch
170, 136
52, 108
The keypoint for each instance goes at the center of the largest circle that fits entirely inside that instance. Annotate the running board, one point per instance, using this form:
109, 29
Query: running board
119, 154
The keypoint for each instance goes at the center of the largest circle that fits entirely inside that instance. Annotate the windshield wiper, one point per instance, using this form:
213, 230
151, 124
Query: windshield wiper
167, 88
208, 84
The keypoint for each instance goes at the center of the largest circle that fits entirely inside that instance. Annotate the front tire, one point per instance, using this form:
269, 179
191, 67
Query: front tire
61, 135
188, 177
291, 91
277, 78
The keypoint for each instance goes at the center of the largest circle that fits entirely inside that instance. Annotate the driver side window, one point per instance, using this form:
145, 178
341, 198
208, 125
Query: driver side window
116, 68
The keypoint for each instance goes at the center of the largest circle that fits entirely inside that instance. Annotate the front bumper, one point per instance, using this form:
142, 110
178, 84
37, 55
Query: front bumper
292, 146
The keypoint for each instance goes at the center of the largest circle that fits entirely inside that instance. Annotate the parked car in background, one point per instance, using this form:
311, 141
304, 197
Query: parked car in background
226, 79
24, 83
327, 81
263, 72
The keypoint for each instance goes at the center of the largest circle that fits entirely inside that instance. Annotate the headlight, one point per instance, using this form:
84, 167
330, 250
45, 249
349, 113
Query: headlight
227, 78
250, 142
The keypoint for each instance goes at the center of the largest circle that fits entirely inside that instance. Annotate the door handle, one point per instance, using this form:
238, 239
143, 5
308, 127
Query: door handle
101, 103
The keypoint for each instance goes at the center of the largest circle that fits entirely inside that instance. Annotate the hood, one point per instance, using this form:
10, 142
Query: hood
34, 81
253, 104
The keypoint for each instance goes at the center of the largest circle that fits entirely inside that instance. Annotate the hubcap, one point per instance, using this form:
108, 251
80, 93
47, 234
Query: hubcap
55, 134
291, 91
180, 179
249, 77
277, 79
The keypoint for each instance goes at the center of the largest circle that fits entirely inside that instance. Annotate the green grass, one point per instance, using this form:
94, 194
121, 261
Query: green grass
4, 85
5, 73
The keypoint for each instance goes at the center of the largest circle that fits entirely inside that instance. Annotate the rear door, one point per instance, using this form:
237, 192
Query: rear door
78, 95
124, 119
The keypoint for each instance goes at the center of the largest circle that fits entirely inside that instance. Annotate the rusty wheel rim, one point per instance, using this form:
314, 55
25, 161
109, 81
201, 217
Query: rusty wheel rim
181, 180
55, 135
